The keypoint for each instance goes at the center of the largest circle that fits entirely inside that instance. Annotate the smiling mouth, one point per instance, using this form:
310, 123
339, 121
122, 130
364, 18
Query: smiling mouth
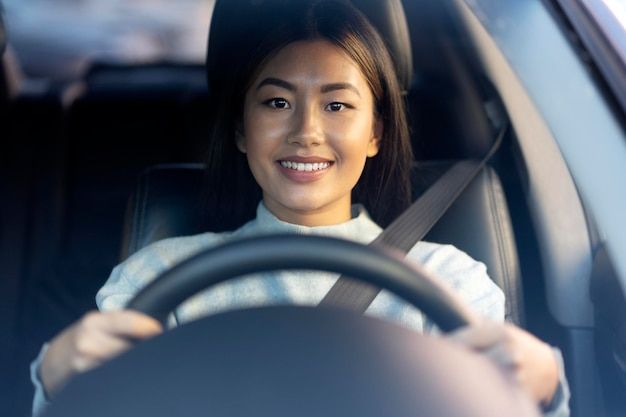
305, 166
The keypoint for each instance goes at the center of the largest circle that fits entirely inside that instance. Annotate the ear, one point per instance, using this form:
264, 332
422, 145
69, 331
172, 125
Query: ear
240, 140
377, 134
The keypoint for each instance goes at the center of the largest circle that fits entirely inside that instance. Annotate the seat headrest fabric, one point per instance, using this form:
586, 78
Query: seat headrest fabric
235, 26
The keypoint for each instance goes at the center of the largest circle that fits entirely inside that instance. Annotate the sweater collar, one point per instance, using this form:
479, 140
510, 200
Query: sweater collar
360, 227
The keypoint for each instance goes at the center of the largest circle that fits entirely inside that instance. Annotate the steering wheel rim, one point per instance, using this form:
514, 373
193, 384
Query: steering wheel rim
372, 265
294, 360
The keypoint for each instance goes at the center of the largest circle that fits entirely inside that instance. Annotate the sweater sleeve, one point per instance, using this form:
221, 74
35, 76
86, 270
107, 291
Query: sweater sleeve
470, 279
40, 400
559, 406
114, 295
117, 291
466, 276
141, 268
123, 283
136, 272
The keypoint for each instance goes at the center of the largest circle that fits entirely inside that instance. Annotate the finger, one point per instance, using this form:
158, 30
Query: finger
130, 324
479, 337
98, 346
503, 355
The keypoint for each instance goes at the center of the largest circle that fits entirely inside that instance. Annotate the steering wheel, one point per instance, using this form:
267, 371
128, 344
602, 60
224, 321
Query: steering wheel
293, 360
283, 252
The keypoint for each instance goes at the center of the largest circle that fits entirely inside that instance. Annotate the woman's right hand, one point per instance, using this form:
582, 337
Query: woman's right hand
94, 339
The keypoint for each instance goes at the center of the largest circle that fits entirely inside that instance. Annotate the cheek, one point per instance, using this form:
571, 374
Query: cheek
355, 140
256, 152
248, 122
254, 134
263, 128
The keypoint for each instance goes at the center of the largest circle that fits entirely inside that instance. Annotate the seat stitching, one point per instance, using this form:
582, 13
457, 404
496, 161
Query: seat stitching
496, 210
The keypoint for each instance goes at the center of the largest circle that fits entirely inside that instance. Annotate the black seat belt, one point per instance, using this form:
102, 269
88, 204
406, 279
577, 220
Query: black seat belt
411, 226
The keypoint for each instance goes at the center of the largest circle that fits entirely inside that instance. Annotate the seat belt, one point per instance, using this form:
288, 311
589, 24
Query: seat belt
411, 226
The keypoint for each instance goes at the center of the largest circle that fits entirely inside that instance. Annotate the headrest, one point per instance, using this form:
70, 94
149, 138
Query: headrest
235, 23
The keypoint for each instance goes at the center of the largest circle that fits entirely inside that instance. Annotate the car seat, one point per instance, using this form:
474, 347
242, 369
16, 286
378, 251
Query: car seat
168, 199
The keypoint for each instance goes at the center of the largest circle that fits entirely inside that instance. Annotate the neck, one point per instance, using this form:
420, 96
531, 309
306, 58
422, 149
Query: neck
325, 216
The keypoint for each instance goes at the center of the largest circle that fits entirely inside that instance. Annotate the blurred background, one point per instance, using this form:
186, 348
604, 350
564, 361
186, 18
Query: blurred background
58, 38
91, 93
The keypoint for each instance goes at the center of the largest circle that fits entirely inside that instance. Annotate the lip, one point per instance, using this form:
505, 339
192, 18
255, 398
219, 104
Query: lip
303, 177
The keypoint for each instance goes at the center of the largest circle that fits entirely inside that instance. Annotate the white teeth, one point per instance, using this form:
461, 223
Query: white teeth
299, 166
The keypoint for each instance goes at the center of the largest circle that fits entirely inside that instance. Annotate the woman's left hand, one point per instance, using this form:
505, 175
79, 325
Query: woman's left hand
531, 361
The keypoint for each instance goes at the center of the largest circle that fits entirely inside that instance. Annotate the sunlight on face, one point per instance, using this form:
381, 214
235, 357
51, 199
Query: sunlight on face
308, 127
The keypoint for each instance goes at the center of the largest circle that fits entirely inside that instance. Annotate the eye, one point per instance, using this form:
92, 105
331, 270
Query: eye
336, 106
277, 103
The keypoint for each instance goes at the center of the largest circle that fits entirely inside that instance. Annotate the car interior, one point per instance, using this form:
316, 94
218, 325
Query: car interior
95, 169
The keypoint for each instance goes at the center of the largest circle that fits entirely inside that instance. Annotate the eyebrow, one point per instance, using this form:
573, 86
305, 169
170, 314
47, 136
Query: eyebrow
278, 83
325, 88
340, 86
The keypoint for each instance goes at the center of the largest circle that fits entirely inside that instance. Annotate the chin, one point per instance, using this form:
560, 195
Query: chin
304, 207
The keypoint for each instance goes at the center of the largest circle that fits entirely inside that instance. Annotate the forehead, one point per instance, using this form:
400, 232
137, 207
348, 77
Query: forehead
315, 61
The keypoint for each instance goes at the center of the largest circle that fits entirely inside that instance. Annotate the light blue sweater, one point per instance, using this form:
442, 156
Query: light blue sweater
467, 276
463, 273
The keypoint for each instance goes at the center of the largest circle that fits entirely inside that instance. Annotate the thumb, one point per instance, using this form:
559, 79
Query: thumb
487, 338
479, 336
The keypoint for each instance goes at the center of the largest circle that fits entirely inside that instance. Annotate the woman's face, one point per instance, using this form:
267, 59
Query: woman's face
308, 127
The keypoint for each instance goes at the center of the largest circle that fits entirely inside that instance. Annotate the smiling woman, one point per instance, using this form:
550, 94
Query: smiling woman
342, 87
309, 124
546, 215
313, 132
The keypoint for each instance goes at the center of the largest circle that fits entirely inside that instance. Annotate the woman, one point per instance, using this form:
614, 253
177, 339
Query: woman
313, 125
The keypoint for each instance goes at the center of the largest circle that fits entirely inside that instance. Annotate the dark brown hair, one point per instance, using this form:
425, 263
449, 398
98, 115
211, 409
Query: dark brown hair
384, 186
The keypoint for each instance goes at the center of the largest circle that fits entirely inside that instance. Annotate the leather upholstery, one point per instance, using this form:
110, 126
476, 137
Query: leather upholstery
168, 202
479, 223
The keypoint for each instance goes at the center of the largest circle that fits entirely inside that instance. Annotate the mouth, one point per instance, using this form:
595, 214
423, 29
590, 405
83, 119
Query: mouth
304, 169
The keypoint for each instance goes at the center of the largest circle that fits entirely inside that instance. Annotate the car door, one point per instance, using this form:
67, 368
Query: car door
560, 69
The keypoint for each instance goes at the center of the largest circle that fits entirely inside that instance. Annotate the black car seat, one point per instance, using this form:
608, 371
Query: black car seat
168, 199
7, 284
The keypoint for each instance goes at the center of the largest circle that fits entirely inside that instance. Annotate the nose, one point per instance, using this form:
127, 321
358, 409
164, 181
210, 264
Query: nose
307, 127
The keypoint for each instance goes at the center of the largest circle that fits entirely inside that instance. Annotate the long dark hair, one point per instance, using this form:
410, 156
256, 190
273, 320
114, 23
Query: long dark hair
384, 186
